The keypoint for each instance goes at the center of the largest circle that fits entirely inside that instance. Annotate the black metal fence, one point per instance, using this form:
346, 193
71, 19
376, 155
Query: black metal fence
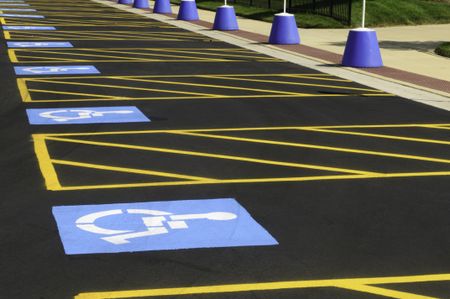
340, 10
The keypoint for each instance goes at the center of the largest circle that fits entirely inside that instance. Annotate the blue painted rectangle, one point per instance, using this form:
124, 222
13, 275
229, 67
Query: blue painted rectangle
85, 115
39, 45
17, 9
11, 28
56, 70
168, 225
7, 15
13, 4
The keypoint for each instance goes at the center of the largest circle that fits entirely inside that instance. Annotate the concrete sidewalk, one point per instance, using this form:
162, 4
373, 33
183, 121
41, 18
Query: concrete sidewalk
406, 48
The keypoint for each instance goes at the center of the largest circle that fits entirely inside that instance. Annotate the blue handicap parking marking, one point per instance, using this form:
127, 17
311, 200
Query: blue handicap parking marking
13, 4
6, 15
39, 45
56, 70
28, 28
85, 115
168, 225
17, 9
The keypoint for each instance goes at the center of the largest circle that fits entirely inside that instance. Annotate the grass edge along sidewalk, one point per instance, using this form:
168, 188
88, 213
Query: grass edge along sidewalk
443, 49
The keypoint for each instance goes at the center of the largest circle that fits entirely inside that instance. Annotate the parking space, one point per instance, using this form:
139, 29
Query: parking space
236, 156
186, 87
142, 160
135, 55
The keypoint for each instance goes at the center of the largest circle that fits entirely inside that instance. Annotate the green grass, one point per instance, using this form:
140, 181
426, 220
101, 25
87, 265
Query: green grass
378, 13
402, 12
443, 49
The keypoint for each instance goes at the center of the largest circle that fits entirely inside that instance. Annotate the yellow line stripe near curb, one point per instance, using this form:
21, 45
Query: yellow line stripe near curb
359, 284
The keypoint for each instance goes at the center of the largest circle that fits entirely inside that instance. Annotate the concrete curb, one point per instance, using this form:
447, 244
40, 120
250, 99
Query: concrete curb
422, 95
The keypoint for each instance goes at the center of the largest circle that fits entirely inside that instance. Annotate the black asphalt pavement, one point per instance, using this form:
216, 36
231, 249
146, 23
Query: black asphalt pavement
351, 182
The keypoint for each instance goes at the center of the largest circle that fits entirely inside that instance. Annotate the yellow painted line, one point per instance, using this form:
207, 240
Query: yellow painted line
256, 181
227, 181
176, 98
375, 126
442, 127
22, 85
159, 54
270, 75
121, 87
320, 147
74, 93
58, 23
384, 136
240, 129
42, 59
7, 35
120, 58
168, 76
289, 83
311, 166
2, 21
361, 284
95, 15
376, 94
320, 78
383, 292
208, 155
130, 170
47, 169
215, 86
224, 53
111, 35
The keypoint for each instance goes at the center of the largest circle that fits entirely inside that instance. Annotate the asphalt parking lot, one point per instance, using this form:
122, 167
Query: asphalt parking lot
141, 160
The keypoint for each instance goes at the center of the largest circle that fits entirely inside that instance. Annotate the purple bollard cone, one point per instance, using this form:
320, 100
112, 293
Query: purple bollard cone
126, 2
162, 7
188, 11
362, 49
284, 30
143, 4
225, 19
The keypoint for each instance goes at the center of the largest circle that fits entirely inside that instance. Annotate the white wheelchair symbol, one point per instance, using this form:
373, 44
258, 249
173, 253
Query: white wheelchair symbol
54, 69
24, 45
155, 223
61, 115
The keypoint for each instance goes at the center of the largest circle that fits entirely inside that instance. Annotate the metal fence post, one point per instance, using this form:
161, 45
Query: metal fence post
349, 18
331, 8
